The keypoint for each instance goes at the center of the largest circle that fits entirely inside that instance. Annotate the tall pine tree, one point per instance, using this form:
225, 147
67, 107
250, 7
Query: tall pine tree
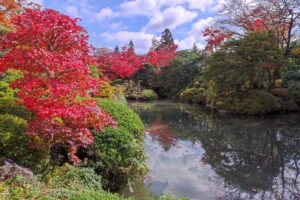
166, 38
117, 50
131, 45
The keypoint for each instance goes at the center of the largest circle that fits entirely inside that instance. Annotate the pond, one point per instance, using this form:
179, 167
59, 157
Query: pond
201, 156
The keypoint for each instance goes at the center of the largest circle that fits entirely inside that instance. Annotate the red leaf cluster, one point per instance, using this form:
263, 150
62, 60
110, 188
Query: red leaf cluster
126, 63
52, 51
259, 25
215, 38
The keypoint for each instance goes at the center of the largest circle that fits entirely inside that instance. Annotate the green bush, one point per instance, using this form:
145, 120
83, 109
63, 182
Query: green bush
118, 94
10, 106
149, 95
79, 178
124, 117
285, 99
7, 78
240, 63
194, 95
294, 90
251, 102
182, 71
5, 90
67, 182
12, 136
15, 145
145, 76
118, 157
292, 76
118, 153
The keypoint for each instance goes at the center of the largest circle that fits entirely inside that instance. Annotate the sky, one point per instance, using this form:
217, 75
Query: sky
116, 22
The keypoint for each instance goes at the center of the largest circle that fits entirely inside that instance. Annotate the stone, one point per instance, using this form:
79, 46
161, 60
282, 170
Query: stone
11, 169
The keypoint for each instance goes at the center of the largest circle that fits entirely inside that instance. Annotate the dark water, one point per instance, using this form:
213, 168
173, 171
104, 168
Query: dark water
200, 156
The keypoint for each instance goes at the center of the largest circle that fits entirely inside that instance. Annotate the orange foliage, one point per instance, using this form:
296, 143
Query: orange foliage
296, 52
8, 9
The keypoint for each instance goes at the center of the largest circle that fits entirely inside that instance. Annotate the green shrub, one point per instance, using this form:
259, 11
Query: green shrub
10, 106
118, 94
15, 145
285, 99
74, 177
124, 117
292, 76
292, 82
193, 95
182, 71
118, 157
252, 102
294, 90
118, 153
12, 136
5, 90
8, 77
149, 95
67, 182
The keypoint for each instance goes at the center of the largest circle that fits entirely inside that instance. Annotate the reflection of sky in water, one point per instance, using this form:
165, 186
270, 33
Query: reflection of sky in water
205, 157
180, 164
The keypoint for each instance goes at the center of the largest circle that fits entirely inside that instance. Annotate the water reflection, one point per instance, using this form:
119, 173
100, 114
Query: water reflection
161, 131
200, 156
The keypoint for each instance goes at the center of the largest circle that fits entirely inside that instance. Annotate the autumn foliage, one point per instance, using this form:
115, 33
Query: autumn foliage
52, 51
126, 63
8, 9
259, 25
215, 38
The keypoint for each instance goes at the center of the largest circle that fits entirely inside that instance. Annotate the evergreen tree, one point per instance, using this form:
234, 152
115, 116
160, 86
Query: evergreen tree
155, 44
117, 50
195, 48
131, 45
166, 38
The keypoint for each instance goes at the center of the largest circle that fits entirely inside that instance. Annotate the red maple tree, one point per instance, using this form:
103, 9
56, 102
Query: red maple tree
52, 51
126, 63
215, 38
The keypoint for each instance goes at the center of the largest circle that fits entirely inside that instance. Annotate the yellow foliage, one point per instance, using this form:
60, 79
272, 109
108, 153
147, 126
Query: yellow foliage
278, 82
296, 52
3, 187
9, 8
59, 120
246, 86
106, 91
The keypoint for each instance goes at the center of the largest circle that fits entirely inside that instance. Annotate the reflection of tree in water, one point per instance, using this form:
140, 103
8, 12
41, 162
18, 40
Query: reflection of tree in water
163, 132
258, 157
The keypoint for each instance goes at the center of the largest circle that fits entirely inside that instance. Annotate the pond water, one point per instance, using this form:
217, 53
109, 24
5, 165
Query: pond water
201, 156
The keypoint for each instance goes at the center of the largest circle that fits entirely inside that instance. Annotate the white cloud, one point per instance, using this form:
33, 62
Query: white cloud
141, 40
139, 7
118, 26
73, 11
151, 7
206, 5
170, 18
195, 34
160, 14
104, 13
